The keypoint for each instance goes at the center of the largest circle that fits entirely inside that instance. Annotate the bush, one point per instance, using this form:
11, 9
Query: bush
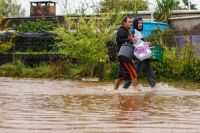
87, 42
38, 25
191, 70
111, 71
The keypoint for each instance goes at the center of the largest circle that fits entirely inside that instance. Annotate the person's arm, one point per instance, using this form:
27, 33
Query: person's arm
140, 37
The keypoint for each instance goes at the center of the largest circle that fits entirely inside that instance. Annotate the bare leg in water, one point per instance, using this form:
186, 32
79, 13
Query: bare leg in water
126, 71
119, 80
134, 83
117, 83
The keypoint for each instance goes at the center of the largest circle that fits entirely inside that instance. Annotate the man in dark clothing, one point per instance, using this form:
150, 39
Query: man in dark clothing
123, 35
126, 69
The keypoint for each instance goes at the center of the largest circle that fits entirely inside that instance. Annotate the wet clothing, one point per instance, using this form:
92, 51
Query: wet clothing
145, 67
142, 66
126, 69
123, 35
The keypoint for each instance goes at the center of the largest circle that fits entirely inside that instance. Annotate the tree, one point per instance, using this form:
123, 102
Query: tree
124, 5
82, 8
162, 12
10, 8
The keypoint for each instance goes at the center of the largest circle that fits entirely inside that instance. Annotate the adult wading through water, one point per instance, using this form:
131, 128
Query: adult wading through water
141, 66
126, 69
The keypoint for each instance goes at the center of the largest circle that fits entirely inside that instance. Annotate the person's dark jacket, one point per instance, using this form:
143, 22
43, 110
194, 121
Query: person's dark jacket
123, 36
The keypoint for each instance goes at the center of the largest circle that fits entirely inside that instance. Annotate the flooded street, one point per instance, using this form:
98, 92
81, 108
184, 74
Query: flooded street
51, 106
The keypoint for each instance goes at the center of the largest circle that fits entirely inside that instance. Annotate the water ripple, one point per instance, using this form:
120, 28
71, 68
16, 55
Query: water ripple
48, 106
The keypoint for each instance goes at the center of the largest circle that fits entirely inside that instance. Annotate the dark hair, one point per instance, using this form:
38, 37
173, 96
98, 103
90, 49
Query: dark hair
125, 19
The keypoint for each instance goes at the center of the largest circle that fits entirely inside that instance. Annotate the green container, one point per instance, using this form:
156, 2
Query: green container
157, 52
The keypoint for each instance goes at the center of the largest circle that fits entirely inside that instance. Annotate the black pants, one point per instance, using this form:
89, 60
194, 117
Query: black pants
145, 67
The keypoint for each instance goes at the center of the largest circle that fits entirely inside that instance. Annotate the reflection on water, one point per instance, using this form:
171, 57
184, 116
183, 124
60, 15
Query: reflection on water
43, 106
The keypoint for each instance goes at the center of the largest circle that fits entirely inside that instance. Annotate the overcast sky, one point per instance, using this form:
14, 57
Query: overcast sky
75, 3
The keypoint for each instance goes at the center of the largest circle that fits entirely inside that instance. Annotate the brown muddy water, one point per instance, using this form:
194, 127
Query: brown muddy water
50, 106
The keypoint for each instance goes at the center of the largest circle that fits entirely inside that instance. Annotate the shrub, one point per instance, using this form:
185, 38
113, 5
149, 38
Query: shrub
38, 25
191, 69
87, 42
